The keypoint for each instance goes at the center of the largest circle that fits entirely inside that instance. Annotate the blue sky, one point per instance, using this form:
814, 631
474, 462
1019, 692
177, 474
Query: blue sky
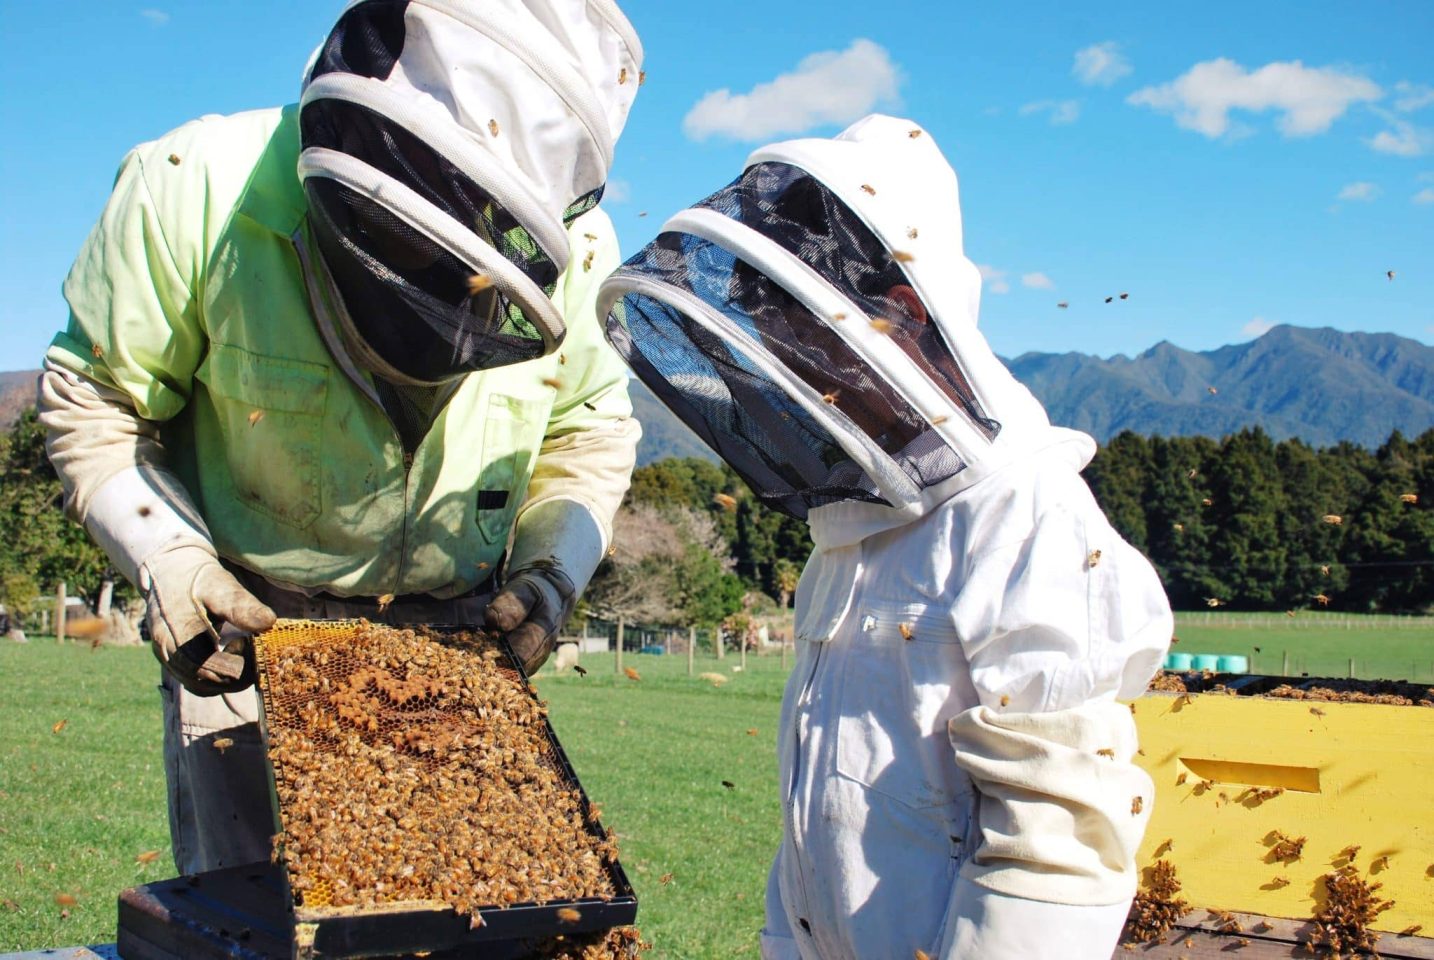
1231, 166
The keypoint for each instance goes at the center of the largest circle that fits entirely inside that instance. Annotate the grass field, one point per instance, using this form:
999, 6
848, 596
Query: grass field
1320, 645
78, 805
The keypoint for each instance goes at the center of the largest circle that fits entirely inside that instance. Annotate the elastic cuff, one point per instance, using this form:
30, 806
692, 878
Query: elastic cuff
561, 531
138, 512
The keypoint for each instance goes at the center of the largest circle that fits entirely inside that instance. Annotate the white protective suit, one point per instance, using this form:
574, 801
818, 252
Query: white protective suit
956, 772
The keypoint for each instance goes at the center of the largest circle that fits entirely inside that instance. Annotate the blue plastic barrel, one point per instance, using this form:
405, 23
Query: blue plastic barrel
1234, 664
1206, 661
1177, 661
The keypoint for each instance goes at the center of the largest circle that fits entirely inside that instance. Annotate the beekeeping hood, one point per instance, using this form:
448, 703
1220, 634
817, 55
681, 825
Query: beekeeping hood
815, 323
446, 145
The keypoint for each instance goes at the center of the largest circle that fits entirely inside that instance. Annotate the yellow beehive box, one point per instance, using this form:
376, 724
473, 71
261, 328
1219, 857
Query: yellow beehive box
1234, 776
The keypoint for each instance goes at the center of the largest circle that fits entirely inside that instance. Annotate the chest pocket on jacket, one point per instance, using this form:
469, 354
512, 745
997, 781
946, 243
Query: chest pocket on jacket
897, 694
271, 417
509, 429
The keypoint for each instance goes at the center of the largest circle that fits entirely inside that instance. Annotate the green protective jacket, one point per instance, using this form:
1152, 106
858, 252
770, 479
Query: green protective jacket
189, 299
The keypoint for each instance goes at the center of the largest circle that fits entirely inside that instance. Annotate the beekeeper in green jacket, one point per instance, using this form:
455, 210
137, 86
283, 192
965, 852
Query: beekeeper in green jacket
341, 359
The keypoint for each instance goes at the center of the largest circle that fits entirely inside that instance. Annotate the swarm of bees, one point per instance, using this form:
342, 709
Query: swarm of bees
1351, 905
411, 765
1158, 906
1284, 848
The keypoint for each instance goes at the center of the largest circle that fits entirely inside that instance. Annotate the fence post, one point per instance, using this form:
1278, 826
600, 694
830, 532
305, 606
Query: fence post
717, 643
744, 652
1351, 668
60, 613
617, 663
691, 647
784, 653
1285, 665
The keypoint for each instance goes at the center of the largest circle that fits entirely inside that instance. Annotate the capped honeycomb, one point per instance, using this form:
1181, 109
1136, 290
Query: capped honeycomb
413, 766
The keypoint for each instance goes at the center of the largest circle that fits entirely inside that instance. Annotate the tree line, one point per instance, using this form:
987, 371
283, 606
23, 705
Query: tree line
1243, 522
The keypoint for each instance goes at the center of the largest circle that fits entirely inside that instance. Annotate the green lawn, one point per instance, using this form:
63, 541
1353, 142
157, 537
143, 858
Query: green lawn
1321, 645
77, 806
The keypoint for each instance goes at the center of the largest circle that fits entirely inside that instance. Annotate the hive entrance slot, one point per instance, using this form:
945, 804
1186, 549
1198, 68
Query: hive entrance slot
1300, 779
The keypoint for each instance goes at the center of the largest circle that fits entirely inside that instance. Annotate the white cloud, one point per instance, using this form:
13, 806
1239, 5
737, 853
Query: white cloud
1100, 64
1061, 112
1405, 140
826, 87
1037, 281
1257, 327
1308, 98
1424, 196
1359, 190
617, 191
1412, 96
157, 17
995, 280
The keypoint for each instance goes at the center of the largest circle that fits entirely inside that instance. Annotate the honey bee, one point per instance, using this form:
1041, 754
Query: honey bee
569, 915
1262, 926
66, 899
1280, 882
1125, 296
1317, 711
830, 398
1243, 941
725, 501
479, 282
921, 954
59, 725
906, 632
729, 785
1324, 569
98, 351
1184, 700
882, 325
588, 260
562, 359
914, 133
1178, 527
1094, 559
148, 856
1409, 497
1289, 613
622, 76
1064, 305
901, 256
1333, 519
1005, 699
911, 233
631, 674
641, 77
1207, 502
612, 551
1109, 299
1213, 601
642, 213
838, 317
1181, 779
1137, 803
553, 382
1379, 863
751, 731
1322, 599
483, 564
580, 670
1166, 846
1411, 930
222, 744
869, 189
1350, 852
1212, 391
1106, 752
255, 416
384, 601
665, 879
493, 127
174, 159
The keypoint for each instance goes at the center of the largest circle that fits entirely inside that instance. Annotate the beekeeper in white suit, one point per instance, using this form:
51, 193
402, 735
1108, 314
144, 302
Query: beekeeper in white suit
326, 361
955, 768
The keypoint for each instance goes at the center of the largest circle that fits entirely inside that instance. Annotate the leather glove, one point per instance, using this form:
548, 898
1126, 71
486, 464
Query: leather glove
530, 610
189, 598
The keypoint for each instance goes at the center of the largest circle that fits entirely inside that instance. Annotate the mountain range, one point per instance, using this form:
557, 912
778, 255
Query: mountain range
1318, 384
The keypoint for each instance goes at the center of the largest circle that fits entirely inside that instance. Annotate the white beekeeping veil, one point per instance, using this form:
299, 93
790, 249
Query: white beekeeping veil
815, 323
446, 146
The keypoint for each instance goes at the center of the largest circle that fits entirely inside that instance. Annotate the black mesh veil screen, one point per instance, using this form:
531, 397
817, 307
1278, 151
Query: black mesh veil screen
409, 297
789, 206
367, 40
789, 459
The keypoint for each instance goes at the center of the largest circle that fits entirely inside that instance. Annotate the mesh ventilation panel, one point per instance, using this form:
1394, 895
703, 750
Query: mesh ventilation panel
790, 460
367, 40
415, 765
790, 207
389, 272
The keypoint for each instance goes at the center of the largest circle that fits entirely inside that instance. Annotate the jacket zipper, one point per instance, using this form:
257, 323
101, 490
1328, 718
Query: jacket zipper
792, 795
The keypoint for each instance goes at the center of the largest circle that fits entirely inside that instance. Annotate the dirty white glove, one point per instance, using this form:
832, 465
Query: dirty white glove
190, 598
556, 548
